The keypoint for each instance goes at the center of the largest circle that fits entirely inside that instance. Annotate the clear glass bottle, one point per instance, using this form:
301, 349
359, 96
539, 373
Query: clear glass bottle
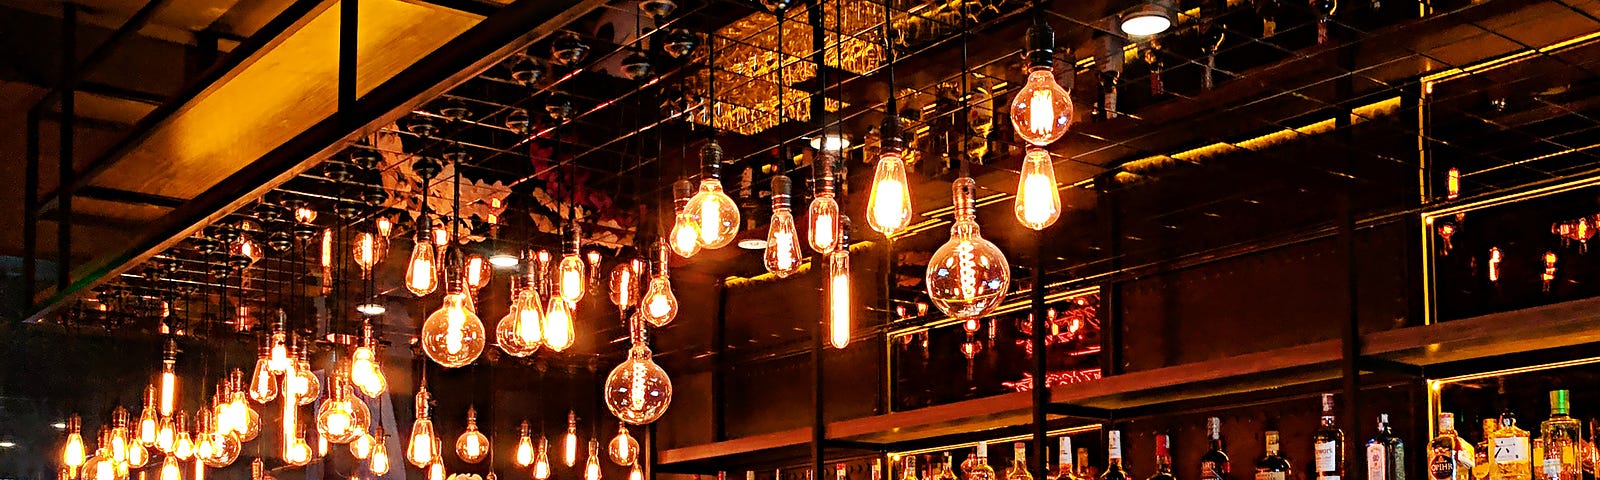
980, 469
1214, 464
1328, 445
1273, 466
908, 466
1019, 463
1163, 458
1085, 470
1114, 469
1510, 454
1561, 434
1064, 467
947, 471
1386, 454
1449, 455
1483, 467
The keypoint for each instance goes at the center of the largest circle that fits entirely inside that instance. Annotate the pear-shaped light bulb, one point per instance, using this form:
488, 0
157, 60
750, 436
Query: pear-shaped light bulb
591, 468
570, 279
541, 462
638, 391
558, 334
422, 271
524, 455
379, 464
1038, 199
822, 220
278, 355
166, 437
660, 305
782, 256
436, 471
1042, 110
422, 447
889, 203
636, 473
263, 384
472, 446
169, 469
623, 448
139, 456
72, 454
342, 418
685, 237
967, 276
570, 442
453, 336
368, 251
149, 420
839, 298
521, 332
312, 387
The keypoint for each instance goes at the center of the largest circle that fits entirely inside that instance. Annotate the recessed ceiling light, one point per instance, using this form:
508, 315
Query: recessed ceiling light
753, 244
59, 425
503, 260
7, 444
831, 142
372, 308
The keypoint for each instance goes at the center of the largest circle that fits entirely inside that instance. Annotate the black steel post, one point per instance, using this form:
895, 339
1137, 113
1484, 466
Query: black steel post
1351, 327
1041, 384
819, 432
349, 28
30, 215
649, 460
69, 113
719, 366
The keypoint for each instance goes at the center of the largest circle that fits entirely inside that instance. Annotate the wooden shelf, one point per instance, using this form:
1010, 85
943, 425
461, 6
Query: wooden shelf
1521, 331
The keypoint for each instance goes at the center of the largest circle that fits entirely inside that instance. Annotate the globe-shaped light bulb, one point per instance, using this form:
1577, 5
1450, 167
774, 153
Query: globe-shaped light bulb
623, 448
967, 276
659, 306
453, 336
472, 446
1038, 202
521, 332
1042, 110
889, 203
225, 450
638, 391
361, 447
714, 215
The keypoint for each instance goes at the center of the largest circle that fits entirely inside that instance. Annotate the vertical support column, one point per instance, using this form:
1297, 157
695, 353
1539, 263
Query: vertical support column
69, 112
1041, 388
719, 366
349, 28
819, 432
1110, 322
1350, 331
649, 459
30, 215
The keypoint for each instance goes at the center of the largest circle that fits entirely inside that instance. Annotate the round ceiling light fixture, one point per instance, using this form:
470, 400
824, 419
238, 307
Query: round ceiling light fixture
371, 309
503, 260
1147, 18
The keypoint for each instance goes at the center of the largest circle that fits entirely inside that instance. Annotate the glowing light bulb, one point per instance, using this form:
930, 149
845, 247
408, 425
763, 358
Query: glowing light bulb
138, 456
558, 334
1038, 202
660, 305
183, 446
520, 332
422, 272
361, 447
421, 449
305, 215
307, 379
436, 471
638, 391
72, 454
839, 298
199, 469
823, 221
967, 276
541, 462
623, 448
453, 336
625, 284
1452, 184
278, 357
635, 473
1042, 110
169, 387
524, 454
380, 455
591, 469
475, 272
149, 422
712, 213
571, 441
472, 446
364, 370
889, 203
569, 278
169, 469
298, 452
368, 251
342, 418
685, 237
782, 255
263, 384
225, 449
166, 437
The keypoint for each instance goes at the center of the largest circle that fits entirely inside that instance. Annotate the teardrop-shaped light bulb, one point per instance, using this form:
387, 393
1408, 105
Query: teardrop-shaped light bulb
525, 451
422, 271
1042, 110
521, 332
889, 203
822, 220
558, 334
1038, 202
685, 237
570, 280
782, 256
660, 305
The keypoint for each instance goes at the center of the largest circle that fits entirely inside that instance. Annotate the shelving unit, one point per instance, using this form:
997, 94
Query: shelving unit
1407, 350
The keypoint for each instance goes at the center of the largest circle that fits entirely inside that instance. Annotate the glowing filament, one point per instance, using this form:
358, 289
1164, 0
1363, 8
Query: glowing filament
1494, 264
839, 299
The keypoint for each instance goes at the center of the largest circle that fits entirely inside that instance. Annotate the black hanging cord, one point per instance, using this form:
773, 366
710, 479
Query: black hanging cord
966, 103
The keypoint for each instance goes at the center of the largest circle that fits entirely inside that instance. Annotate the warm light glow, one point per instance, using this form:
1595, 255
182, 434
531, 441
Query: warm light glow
441, 237
169, 469
472, 446
420, 450
1038, 201
263, 384
453, 336
541, 462
558, 334
635, 473
782, 256
1042, 110
638, 391
422, 276
475, 273
166, 437
591, 469
822, 219
1453, 184
278, 358
714, 215
305, 215
310, 388
361, 447
367, 252
169, 388
436, 471
149, 424
570, 278
520, 332
1495, 257
365, 373
625, 284
72, 455
967, 276
380, 457
839, 298
660, 304
571, 441
889, 203
524, 454
685, 237
342, 418
384, 226
199, 469
623, 448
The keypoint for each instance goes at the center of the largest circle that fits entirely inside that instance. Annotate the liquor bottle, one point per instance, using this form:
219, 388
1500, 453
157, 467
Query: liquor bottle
909, 468
1561, 438
1328, 445
1019, 466
1214, 464
1163, 458
980, 469
1510, 456
1483, 467
877, 470
1273, 466
1386, 454
1064, 468
1449, 455
839, 472
1085, 470
946, 472
1114, 469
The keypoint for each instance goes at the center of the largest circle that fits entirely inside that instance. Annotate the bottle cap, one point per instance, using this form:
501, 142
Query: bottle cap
983, 449
1447, 422
1066, 450
1327, 403
1163, 446
1558, 401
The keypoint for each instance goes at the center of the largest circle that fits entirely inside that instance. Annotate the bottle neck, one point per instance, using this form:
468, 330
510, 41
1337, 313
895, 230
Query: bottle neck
1327, 419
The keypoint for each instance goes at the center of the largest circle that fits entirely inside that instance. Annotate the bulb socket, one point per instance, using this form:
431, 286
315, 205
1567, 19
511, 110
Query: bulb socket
711, 160
1041, 44
892, 142
782, 190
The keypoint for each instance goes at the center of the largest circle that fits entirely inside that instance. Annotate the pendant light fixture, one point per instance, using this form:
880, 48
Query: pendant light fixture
472, 446
342, 417
782, 256
422, 270
714, 215
72, 454
591, 469
558, 328
838, 291
520, 332
169, 378
263, 383
365, 372
541, 462
685, 238
422, 448
453, 336
1038, 202
149, 420
379, 463
822, 217
1042, 110
638, 391
623, 448
570, 442
660, 305
889, 200
523, 457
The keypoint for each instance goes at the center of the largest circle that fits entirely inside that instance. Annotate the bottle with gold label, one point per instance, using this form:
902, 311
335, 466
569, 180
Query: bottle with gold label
1483, 467
1510, 452
1449, 456
1561, 437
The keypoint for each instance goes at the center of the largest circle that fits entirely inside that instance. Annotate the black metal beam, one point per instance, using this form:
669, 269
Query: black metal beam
1382, 365
30, 214
1041, 376
1079, 411
69, 111
513, 28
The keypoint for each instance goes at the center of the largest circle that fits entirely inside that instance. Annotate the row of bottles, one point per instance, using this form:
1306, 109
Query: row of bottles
1507, 452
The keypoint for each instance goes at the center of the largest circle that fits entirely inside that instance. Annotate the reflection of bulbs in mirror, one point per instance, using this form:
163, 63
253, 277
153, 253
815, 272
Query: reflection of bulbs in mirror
558, 334
625, 284
889, 203
967, 276
476, 272
472, 446
660, 306
638, 391
368, 251
685, 239
453, 336
365, 373
1038, 202
623, 448
520, 332
570, 280
278, 356
524, 453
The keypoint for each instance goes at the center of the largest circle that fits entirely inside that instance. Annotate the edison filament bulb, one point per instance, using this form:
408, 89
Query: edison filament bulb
182, 447
635, 473
368, 251
476, 272
638, 391
839, 297
967, 276
263, 383
149, 421
623, 448
472, 446
436, 471
342, 418
278, 356
570, 279
72, 454
889, 203
1038, 202
364, 370
712, 213
453, 335
422, 448
660, 306
782, 255
169, 379
1042, 110
558, 334
379, 464
541, 462
625, 284
591, 469
167, 436
822, 218
310, 387
570, 452
524, 454
361, 447
422, 272
520, 332
169, 469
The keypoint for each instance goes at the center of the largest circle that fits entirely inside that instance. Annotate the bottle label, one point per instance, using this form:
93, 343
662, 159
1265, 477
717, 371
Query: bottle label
1271, 476
1442, 466
1552, 468
1114, 444
1377, 463
1511, 449
1209, 470
1326, 454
